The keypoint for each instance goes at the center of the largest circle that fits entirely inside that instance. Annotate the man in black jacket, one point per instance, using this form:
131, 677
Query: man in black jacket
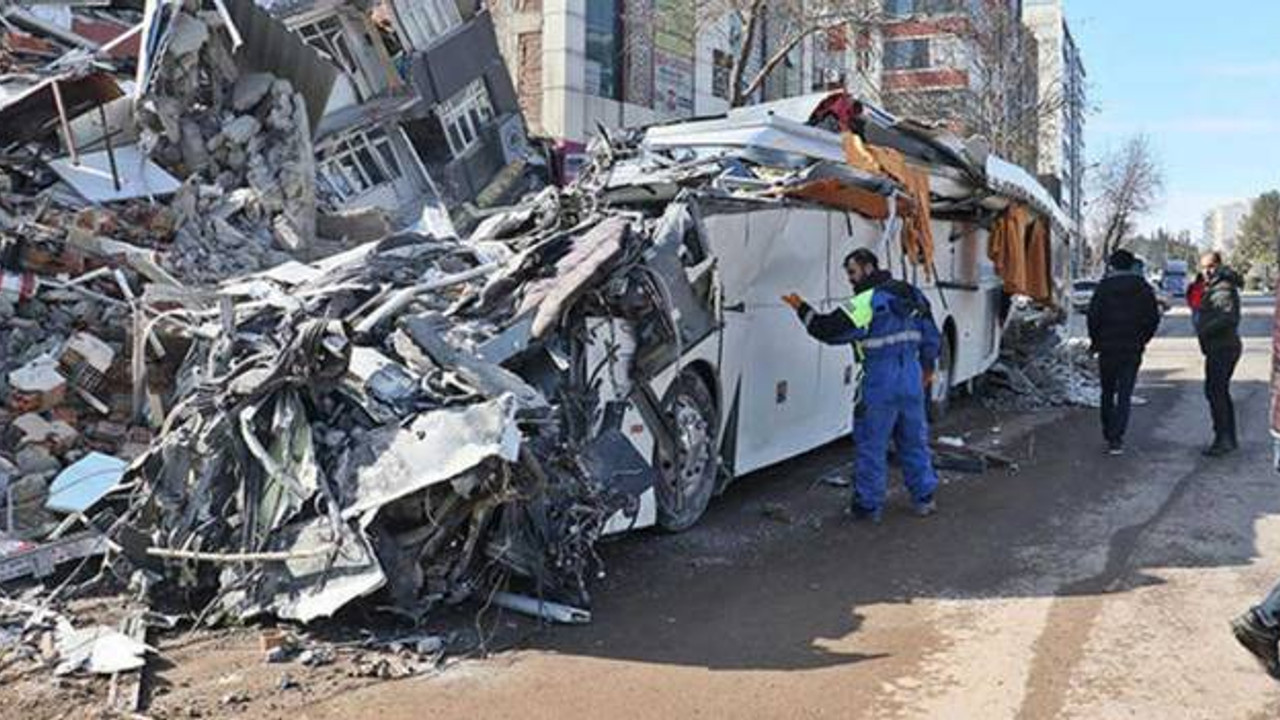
1218, 329
1123, 317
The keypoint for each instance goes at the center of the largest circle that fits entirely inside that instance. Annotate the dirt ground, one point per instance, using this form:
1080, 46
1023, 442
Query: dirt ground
1077, 586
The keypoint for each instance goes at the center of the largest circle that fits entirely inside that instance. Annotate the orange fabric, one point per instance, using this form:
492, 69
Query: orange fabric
917, 235
1007, 248
857, 155
1039, 270
834, 193
1019, 246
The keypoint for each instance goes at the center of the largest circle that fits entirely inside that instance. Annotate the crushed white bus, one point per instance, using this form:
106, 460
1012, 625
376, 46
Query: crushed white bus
743, 387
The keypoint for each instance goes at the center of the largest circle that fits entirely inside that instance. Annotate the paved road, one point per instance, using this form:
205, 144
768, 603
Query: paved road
1080, 587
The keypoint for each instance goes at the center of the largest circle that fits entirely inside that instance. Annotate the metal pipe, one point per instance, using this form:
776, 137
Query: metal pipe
550, 611
66, 124
111, 152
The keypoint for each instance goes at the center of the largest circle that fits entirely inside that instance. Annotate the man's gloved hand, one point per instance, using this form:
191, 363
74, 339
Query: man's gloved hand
794, 300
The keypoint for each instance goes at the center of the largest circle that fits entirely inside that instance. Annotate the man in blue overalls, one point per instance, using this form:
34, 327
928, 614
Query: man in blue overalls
896, 344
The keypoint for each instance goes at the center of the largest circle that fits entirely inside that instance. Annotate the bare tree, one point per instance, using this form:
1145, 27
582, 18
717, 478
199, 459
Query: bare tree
1003, 100
789, 23
1259, 234
1129, 183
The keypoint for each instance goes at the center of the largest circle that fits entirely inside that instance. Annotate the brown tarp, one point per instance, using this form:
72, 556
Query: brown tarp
833, 193
1019, 247
1039, 262
917, 235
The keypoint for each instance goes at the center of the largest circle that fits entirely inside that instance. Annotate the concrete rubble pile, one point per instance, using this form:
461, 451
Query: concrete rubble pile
197, 173
243, 142
1040, 365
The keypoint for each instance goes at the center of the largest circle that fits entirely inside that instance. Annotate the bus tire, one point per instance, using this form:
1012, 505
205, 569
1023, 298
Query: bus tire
940, 391
687, 482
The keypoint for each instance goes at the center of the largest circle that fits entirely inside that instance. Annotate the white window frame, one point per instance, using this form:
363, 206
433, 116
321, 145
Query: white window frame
465, 115
426, 21
351, 164
328, 35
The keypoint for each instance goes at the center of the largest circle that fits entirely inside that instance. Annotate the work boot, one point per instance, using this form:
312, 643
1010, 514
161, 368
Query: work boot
859, 513
1259, 640
926, 507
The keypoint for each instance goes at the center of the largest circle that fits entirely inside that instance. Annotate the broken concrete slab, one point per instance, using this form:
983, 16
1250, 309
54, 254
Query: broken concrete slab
38, 385
189, 34
242, 129
35, 430
250, 90
35, 460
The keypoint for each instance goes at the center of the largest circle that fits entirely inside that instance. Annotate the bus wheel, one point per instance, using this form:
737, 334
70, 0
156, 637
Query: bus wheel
688, 480
940, 391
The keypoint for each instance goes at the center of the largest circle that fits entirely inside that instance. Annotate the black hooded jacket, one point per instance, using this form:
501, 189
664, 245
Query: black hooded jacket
1123, 314
1219, 325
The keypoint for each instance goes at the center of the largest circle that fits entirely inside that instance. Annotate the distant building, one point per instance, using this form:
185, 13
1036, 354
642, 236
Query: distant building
1222, 225
582, 64
1062, 89
617, 63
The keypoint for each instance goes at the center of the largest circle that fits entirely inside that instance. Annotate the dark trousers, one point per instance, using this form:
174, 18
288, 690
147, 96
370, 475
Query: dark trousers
1219, 366
1119, 372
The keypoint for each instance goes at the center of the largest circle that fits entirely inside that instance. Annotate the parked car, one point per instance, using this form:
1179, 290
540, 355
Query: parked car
1082, 293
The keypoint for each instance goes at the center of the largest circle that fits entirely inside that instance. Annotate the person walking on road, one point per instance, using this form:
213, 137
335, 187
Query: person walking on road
1258, 630
1218, 330
1123, 317
896, 343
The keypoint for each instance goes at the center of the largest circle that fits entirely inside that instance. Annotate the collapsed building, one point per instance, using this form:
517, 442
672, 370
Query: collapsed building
422, 419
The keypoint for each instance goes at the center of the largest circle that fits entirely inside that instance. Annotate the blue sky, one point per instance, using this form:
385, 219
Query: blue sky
1202, 80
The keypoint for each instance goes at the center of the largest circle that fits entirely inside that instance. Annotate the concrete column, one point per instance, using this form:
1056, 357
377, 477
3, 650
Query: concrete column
564, 72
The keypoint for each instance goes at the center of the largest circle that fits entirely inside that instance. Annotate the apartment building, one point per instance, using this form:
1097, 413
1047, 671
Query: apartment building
1222, 225
580, 64
423, 111
583, 64
971, 64
1062, 88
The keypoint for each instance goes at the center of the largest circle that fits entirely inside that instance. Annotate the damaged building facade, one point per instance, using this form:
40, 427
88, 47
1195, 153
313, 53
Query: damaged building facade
423, 111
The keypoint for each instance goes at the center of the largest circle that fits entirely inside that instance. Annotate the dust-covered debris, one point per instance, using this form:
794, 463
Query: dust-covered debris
1041, 365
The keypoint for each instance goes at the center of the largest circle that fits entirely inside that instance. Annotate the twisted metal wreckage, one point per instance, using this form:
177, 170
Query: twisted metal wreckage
422, 418
426, 416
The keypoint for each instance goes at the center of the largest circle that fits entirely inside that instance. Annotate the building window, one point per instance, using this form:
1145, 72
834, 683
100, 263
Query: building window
464, 115
721, 71
905, 8
603, 51
906, 54
326, 35
358, 162
425, 21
